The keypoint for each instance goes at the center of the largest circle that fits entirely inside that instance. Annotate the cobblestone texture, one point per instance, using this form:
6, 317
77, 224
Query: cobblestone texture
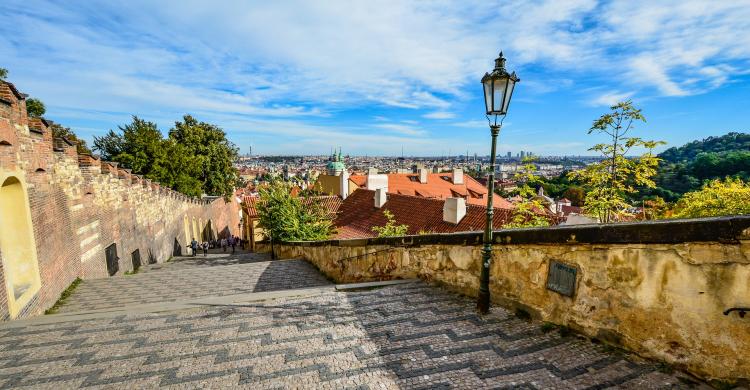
184, 278
404, 336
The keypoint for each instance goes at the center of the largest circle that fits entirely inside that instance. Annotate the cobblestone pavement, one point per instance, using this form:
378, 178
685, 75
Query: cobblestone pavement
184, 278
403, 336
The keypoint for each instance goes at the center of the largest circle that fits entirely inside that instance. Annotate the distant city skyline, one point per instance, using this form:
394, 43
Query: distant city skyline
375, 77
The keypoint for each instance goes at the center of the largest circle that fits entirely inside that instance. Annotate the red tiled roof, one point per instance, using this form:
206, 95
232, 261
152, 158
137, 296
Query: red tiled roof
567, 210
439, 185
248, 203
359, 180
331, 203
358, 215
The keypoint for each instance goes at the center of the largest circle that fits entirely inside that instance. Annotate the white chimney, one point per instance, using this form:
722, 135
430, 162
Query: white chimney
344, 184
458, 176
377, 181
423, 175
454, 210
380, 197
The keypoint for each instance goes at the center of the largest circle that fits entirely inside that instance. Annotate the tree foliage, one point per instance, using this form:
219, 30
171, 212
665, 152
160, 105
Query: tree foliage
59, 131
213, 152
688, 167
285, 218
390, 229
195, 158
726, 143
35, 108
576, 195
718, 197
529, 210
617, 175
3, 73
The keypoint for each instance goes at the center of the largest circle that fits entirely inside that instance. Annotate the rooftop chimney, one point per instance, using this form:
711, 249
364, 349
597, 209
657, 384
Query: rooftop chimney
380, 197
377, 181
423, 175
344, 184
458, 176
454, 210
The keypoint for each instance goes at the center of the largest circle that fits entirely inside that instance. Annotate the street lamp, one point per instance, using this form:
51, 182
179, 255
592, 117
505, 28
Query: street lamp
498, 89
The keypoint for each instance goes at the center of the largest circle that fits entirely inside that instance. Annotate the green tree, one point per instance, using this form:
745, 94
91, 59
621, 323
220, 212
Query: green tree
215, 154
576, 195
285, 218
59, 131
656, 208
718, 197
390, 229
196, 158
179, 169
529, 211
617, 175
3, 73
35, 108
138, 146
687, 167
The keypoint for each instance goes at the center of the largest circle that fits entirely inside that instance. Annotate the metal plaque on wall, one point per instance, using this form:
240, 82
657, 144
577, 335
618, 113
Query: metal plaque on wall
561, 278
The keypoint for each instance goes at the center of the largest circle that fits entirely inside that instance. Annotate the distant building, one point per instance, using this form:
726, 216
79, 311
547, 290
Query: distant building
363, 210
336, 180
431, 185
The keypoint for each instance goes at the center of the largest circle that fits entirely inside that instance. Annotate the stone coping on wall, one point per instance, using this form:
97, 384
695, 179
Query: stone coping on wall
730, 229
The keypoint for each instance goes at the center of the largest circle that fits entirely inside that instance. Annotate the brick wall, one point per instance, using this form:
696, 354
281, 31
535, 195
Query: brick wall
80, 205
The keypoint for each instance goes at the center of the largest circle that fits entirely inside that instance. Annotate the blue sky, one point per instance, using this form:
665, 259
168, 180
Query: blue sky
298, 77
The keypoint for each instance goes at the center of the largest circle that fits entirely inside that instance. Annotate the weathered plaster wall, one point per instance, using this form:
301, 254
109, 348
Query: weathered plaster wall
79, 206
659, 289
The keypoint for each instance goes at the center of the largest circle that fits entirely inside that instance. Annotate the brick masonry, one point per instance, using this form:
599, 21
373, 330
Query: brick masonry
80, 205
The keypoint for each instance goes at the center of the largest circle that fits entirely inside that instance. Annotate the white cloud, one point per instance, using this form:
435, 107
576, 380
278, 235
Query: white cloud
610, 98
439, 115
401, 129
312, 60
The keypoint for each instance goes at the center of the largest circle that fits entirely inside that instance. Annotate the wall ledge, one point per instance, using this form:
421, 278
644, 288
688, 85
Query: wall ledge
728, 229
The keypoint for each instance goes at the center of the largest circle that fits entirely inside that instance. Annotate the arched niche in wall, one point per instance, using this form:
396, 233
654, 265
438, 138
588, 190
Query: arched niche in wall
186, 226
210, 230
17, 246
196, 232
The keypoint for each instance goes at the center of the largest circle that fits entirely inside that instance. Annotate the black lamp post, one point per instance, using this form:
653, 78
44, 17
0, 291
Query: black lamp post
498, 89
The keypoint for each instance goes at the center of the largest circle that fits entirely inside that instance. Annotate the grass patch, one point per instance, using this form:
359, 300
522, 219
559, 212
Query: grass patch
562, 329
548, 327
133, 272
63, 297
721, 385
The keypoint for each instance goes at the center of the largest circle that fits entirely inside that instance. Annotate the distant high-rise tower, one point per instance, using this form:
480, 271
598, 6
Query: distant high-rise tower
523, 154
509, 155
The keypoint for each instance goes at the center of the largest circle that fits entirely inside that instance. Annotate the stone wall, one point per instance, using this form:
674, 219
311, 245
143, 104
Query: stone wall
77, 206
659, 288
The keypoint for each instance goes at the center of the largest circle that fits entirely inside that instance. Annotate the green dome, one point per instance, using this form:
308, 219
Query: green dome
335, 166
